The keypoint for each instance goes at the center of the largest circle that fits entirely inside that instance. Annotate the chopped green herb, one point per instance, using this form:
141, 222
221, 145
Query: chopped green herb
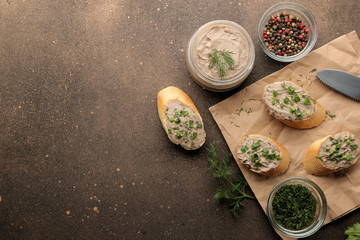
239, 111
337, 158
291, 90
308, 112
199, 126
286, 100
313, 70
307, 101
297, 98
194, 135
298, 113
331, 151
256, 145
353, 147
178, 120
273, 102
191, 123
329, 114
292, 108
184, 113
294, 206
249, 111
255, 157
244, 148
171, 119
169, 131
275, 93
258, 163
178, 135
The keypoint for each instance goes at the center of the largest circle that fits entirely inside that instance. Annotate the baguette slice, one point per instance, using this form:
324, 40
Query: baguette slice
263, 155
180, 118
293, 105
331, 154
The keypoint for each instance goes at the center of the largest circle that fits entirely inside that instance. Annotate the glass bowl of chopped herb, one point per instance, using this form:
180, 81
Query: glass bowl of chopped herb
220, 55
287, 32
296, 207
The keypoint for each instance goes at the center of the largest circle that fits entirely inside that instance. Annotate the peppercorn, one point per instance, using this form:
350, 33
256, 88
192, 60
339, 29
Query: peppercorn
285, 35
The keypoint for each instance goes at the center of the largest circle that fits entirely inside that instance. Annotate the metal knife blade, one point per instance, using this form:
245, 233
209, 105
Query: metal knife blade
342, 82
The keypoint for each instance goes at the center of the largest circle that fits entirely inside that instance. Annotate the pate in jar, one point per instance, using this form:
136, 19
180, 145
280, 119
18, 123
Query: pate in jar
220, 55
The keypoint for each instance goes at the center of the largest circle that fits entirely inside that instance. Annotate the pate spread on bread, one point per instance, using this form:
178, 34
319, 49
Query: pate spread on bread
292, 105
331, 154
263, 155
180, 118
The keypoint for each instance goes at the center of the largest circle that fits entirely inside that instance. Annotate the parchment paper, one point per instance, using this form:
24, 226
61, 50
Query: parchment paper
245, 113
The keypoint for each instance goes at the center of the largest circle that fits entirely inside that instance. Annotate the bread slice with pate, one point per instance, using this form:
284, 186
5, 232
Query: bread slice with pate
263, 155
331, 154
293, 105
180, 118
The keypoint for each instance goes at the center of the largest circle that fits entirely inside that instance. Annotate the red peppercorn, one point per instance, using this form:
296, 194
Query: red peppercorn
266, 36
290, 20
300, 36
286, 30
286, 20
280, 31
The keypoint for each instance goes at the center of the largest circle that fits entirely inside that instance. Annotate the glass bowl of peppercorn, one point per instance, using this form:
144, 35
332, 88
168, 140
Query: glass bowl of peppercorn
296, 207
287, 32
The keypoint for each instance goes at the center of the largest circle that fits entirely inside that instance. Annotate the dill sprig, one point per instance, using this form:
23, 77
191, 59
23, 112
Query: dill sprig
220, 59
233, 192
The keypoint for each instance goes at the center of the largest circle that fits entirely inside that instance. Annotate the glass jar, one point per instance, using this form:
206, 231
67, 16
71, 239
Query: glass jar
221, 35
320, 213
291, 9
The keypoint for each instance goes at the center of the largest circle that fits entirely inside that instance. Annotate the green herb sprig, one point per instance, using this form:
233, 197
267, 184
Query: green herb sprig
221, 59
353, 232
233, 192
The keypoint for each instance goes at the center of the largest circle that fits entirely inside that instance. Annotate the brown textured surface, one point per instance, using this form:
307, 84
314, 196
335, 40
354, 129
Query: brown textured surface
83, 152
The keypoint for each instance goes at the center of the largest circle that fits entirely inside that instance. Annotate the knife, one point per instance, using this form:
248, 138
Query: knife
342, 82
